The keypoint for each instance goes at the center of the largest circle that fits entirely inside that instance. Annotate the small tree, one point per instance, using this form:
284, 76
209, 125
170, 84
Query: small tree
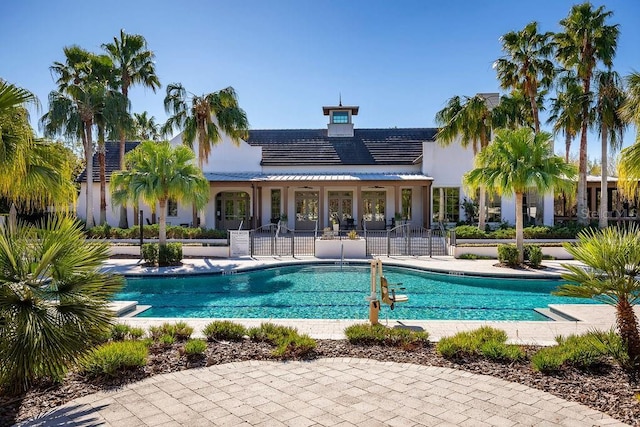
157, 172
515, 162
613, 255
53, 300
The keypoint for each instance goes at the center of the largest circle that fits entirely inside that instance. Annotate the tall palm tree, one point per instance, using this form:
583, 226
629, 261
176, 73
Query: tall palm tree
202, 119
585, 41
72, 108
525, 65
566, 109
614, 257
610, 98
516, 161
135, 65
146, 127
33, 173
157, 172
53, 300
468, 120
629, 165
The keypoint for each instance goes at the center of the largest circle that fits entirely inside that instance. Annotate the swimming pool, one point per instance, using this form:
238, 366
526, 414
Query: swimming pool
334, 292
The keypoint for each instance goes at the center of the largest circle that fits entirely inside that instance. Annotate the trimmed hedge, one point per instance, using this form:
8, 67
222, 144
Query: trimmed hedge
508, 254
162, 255
153, 231
533, 232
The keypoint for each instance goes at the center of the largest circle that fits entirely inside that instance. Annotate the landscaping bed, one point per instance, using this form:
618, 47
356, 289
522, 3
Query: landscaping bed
607, 388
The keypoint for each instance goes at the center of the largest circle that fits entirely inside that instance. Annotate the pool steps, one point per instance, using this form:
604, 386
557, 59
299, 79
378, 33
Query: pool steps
127, 308
554, 314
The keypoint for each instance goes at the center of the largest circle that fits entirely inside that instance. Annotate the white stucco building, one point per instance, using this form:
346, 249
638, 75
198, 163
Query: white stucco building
307, 177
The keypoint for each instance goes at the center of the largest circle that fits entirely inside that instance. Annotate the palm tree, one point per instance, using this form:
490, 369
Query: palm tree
73, 107
585, 42
33, 173
629, 165
614, 257
469, 120
202, 119
610, 98
515, 162
526, 65
53, 300
566, 109
157, 172
134, 63
146, 127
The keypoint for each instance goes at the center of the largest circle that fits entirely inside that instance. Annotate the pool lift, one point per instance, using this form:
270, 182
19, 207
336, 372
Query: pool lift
387, 293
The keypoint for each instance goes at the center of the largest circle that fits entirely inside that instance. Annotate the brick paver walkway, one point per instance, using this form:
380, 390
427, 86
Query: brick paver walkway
326, 392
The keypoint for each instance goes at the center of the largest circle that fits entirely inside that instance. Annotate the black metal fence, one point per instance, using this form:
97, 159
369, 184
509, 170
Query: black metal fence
403, 240
278, 240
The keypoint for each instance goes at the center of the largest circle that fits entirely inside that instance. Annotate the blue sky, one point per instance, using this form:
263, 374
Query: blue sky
398, 60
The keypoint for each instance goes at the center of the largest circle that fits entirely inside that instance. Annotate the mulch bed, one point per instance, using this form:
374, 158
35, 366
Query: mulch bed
608, 388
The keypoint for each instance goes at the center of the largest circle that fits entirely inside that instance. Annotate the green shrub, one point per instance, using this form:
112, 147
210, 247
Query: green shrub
182, 331
150, 253
121, 332
503, 233
534, 254
485, 341
473, 256
224, 330
287, 340
500, 351
170, 254
167, 339
366, 334
112, 357
195, 347
580, 351
469, 232
508, 254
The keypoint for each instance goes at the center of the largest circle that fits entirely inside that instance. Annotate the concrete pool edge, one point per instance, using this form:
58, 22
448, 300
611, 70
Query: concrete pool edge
523, 332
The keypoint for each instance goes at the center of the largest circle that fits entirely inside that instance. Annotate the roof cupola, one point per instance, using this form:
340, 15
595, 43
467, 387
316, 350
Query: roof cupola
340, 124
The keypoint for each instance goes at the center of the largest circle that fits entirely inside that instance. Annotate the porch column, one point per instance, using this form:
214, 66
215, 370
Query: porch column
357, 211
426, 206
593, 204
285, 205
398, 207
321, 207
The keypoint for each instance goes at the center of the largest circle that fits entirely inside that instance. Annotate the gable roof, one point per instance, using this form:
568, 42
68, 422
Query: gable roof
111, 157
296, 147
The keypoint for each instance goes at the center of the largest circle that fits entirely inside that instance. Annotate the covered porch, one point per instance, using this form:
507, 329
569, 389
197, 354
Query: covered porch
374, 201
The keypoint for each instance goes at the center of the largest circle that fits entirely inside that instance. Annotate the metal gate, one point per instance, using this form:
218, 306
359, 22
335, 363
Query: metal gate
278, 240
406, 240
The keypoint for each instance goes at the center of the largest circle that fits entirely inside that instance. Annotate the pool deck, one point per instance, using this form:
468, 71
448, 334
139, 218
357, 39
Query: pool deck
586, 317
339, 391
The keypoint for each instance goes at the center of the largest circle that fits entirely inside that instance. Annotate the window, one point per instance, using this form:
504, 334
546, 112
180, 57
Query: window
532, 208
172, 207
493, 204
374, 203
340, 117
275, 203
306, 205
340, 205
406, 203
446, 204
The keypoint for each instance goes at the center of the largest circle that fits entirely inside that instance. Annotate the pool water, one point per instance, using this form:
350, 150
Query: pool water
334, 292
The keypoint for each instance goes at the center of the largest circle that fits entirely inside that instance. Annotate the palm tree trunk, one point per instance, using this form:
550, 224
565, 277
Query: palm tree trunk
481, 208
534, 106
604, 195
103, 176
519, 233
627, 323
88, 154
162, 224
583, 209
103, 187
124, 221
567, 145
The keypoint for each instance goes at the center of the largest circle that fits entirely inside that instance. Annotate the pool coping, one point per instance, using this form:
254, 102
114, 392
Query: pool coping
589, 316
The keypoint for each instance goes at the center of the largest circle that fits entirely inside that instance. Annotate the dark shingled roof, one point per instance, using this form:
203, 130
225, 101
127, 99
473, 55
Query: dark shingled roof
294, 147
111, 157
366, 147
